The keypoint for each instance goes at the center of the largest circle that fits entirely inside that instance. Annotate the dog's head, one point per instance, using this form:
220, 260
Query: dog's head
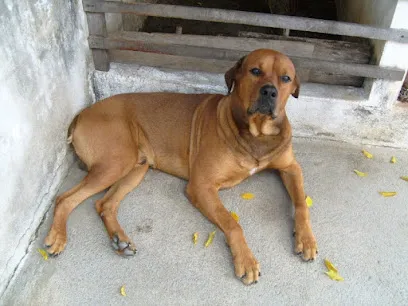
263, 80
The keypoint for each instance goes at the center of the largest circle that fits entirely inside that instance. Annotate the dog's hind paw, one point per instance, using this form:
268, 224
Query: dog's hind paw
123, 247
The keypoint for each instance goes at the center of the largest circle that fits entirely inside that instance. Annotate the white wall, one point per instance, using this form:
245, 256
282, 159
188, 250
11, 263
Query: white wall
43, 82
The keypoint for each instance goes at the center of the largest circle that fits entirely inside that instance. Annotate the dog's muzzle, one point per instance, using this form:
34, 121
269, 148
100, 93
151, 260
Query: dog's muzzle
266, 102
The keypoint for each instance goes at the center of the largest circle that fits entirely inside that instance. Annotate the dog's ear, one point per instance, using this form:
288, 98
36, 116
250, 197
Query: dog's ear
296, 91
230, 75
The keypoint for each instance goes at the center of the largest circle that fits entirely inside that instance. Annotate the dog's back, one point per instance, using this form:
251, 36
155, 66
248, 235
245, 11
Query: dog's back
116, 128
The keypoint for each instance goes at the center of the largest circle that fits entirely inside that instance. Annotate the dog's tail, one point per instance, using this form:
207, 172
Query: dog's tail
70, 134
71, 129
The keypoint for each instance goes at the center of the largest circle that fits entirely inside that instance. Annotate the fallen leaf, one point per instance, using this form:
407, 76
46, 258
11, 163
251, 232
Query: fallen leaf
367, 154
332, 273
359, 173
329, 265
195, 238
122, 290
334, 276
388, 193
247, 196
309, 201
43, 253
393, 160
405, 178
210, 239
234, 216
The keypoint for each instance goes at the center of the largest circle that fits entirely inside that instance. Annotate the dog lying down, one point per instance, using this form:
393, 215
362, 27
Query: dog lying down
212, 141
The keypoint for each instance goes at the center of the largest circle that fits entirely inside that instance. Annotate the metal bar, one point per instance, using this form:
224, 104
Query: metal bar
361, 70
249, 18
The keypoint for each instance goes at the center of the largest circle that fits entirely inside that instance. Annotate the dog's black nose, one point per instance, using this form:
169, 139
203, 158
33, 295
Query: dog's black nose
269, 91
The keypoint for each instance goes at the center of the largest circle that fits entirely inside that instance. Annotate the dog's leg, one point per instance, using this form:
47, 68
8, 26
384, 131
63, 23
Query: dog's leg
205, 198
107, 208
305, 241
98, 179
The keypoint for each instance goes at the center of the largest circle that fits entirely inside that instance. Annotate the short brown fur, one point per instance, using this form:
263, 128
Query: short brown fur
210, 140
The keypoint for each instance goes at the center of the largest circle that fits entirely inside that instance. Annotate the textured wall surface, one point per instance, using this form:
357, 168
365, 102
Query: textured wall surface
44, 81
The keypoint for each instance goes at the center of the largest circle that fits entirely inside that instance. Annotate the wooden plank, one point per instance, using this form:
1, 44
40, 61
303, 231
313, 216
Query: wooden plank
360, 70
172, 49
331, 50
249, 18
177, 62
97, 27
290, 48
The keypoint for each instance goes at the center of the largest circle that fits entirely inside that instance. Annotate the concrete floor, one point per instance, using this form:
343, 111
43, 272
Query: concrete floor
361, 232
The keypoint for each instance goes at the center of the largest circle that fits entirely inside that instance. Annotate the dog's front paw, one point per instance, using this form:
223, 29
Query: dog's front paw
123, 245
246, 267
55, 242
305, 244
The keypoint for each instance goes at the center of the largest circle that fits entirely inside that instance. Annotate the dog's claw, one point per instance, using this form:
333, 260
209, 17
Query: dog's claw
129, 252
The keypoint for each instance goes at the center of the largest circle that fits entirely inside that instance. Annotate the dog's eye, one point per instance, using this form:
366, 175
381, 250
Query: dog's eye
256, 71
285, 79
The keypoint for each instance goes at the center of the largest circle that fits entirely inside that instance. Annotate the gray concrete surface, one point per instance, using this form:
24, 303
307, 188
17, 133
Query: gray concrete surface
361, 232
44, 81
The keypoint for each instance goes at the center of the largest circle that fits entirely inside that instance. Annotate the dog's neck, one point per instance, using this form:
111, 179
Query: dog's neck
255, 142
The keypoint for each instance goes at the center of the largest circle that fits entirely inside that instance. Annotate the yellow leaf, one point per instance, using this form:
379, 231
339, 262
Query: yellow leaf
43, 253
122, 290
247, 196
405, 178
359, 173
330, 266
393, 160
388, 193
309, 201
195, 238
234, 216
367, 154
334, 276
210, 239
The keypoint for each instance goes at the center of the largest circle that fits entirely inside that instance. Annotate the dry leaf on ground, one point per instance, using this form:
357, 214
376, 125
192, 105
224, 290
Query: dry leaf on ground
388, 194
393, 160
334, 276
247, 196
329, 265
333, 273
309, 201
210, 239
367, 154
195, 238
43, 253
122, 290
405, 178
359, 173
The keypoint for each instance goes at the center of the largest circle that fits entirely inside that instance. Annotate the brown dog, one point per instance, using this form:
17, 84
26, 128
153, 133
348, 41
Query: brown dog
213, 141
